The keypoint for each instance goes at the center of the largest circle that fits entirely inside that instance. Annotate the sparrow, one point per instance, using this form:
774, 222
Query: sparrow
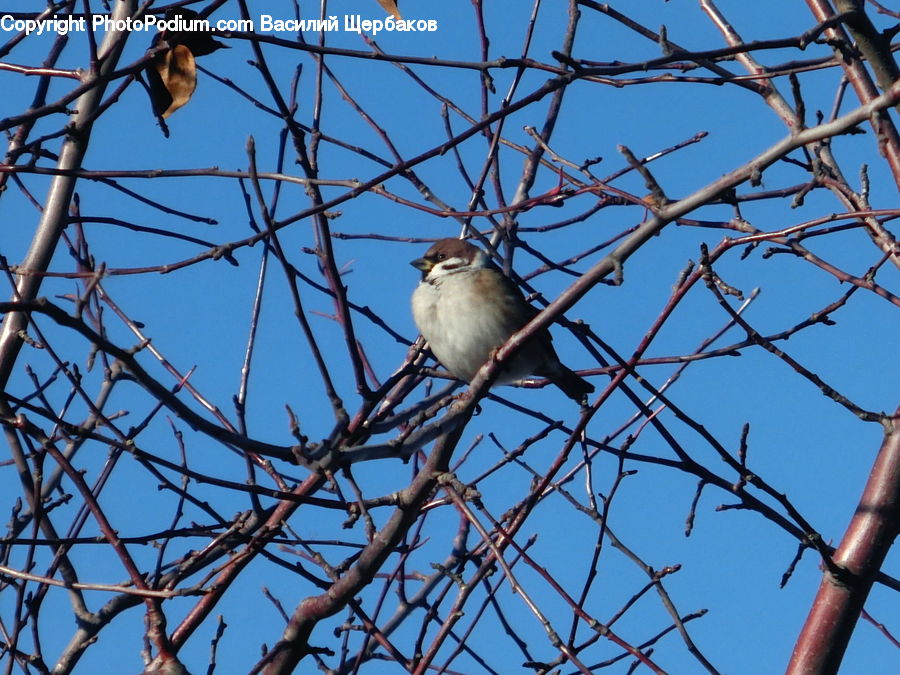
466, 308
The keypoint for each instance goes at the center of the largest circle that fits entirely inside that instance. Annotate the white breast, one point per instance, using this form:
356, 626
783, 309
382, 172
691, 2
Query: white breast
461, 329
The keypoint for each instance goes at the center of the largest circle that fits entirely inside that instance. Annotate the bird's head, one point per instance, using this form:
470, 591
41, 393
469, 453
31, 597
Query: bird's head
449, 256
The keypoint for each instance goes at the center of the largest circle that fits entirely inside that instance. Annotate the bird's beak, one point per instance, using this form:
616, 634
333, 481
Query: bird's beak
422, 265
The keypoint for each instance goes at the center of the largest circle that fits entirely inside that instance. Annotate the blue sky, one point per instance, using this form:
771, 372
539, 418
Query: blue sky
805, 445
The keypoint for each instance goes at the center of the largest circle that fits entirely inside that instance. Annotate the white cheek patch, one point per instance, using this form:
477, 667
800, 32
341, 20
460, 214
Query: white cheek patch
448, 266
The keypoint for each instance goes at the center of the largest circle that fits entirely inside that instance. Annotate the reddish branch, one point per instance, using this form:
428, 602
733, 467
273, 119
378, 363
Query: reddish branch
855, 71
843, 592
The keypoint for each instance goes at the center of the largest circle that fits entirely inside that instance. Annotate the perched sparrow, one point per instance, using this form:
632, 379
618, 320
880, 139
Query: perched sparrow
466, 308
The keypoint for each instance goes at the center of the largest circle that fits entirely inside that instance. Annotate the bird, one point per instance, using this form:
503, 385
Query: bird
466, 308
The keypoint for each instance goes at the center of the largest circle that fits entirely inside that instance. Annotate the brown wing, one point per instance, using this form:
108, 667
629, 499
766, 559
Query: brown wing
573, 385
519, 311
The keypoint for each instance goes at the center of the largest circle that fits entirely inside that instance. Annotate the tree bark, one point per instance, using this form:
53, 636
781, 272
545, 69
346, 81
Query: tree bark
876, 523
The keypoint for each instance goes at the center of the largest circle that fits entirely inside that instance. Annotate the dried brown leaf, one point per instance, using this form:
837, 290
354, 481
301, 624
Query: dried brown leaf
390, 6
173, 73
173, 79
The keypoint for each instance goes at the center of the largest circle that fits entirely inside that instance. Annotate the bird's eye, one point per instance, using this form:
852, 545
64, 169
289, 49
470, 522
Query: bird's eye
441, 256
